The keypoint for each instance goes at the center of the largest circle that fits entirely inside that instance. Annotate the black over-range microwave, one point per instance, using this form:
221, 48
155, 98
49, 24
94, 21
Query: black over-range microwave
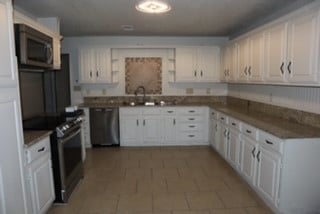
33, 48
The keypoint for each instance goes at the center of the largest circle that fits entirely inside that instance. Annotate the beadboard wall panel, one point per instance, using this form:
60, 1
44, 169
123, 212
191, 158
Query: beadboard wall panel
300, 98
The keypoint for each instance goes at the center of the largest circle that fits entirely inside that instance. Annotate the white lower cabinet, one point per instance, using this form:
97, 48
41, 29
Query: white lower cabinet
248, 161
157, 126
39, 177
268, 173
281, 171
223, 145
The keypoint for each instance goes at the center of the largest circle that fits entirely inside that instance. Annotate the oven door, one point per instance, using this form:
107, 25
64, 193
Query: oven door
71, 168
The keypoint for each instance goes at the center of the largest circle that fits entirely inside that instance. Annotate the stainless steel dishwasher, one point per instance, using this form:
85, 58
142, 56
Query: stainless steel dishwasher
104, 126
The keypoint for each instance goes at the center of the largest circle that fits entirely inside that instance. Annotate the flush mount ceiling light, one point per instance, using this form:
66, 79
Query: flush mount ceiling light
153, 6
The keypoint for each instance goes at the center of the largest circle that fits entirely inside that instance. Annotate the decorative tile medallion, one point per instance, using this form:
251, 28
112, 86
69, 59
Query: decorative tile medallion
143, 71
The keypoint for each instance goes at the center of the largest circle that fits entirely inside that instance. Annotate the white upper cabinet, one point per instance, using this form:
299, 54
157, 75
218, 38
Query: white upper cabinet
275, 52
229, 63
8, 64
250, 56
197, 64
303, 49
292, 50
95, 65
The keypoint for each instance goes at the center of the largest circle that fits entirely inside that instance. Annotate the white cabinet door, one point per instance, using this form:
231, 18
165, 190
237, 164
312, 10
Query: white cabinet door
130, 130
256, 57
169, 130
208, 64
186, 63
243, 57
303, 50
248, 161
223, 146
7, 51
86, 65
216, 135
152, 129
234, 148
103, 65
268, 173
42, 181
276, 52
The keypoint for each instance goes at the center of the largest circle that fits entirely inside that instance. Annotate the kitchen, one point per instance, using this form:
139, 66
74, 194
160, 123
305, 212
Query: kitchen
254, 99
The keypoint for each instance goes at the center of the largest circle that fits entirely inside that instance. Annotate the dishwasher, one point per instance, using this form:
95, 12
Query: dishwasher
104, 126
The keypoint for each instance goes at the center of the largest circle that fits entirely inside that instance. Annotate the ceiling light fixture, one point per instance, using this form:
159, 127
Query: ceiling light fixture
153, 6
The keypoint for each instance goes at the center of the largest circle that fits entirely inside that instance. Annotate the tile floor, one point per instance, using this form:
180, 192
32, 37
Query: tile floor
166, 180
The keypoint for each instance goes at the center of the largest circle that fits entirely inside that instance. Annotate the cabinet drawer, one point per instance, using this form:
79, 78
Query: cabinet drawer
191, 126
190, 136
249, 131
190, 111
213, 114
223, 118
169, 111
37, 150
235, 123
151, 110
190, 119
130, 111
269, 141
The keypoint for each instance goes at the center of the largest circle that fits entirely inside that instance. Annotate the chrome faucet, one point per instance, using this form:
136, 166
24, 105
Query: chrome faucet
138, 89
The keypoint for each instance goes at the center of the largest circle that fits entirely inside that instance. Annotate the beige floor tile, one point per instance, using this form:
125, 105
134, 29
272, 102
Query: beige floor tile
149, 164
236, 198
182, 185
196, 173
182, 154
61, 209
258, 210
127, 164
204, 200
229, 211
135, 203
138, 173
121, 187
151, 186
175, 163
162, 154
211, 184
139, 155
192, 212
165, 173
169, 202
98, 204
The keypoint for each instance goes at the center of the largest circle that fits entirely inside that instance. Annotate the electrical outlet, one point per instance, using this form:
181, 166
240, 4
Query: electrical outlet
208, 91
104, 91
88, 91
270, 97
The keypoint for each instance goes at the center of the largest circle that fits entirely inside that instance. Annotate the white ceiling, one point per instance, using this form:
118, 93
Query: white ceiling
187, 17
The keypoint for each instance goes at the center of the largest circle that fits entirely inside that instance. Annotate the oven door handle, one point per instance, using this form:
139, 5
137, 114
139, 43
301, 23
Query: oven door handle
63, 140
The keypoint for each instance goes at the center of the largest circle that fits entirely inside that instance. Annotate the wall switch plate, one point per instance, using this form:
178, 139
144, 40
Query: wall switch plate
104, 91
88, 91
208, 91
189, 90
77, 88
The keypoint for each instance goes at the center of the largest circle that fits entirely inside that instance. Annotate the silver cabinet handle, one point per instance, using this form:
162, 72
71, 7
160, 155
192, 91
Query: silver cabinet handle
170, 112
174, 121
281, 68
90, 73
137, 122
191, 119
252, 152
225, 133
144, 122
191, 135
191, 111
248, 131
216, 127
41, 150
195, 73
192, 126
201, 73
289, 67
249, 70
258, 156
233, 124
245, 70
97, 73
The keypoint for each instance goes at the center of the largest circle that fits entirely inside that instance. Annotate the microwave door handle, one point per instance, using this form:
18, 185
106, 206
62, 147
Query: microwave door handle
49, 54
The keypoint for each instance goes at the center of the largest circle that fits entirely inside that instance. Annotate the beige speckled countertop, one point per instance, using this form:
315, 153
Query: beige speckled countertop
281, 128
278, 127
32, 137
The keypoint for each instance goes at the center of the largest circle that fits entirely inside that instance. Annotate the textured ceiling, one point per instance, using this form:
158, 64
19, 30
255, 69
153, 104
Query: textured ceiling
187, 17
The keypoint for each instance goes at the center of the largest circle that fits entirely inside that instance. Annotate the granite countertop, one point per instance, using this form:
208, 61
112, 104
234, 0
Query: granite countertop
281, 128
32, 137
